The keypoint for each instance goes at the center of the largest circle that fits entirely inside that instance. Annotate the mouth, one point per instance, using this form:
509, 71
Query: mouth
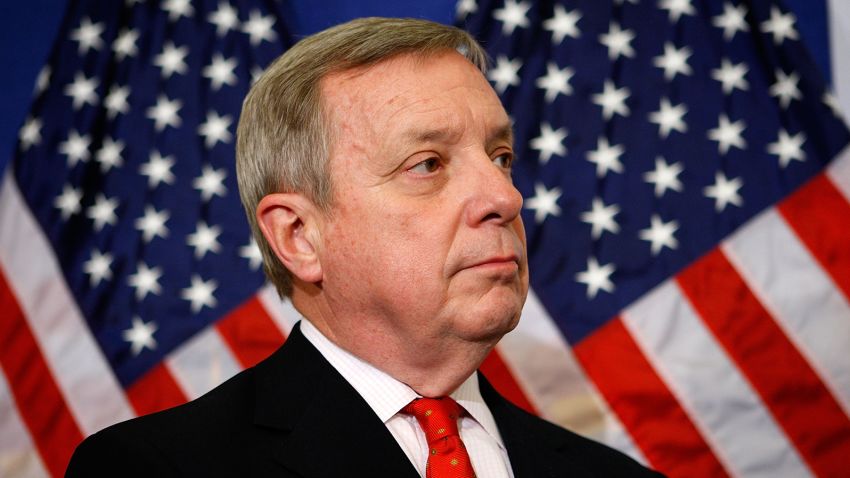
510, 261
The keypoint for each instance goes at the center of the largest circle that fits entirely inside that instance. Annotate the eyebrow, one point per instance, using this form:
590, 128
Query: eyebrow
503, 133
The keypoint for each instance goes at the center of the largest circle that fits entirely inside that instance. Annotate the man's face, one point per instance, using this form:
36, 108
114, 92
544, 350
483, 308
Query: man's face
425, 241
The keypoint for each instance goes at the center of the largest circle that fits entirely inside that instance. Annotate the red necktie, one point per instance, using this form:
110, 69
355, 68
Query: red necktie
447, 457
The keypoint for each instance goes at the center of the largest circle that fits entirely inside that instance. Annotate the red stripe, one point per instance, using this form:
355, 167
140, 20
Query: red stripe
155, 391
658, 424
39, 401
497, 372
793, 392
250, 332
820, 215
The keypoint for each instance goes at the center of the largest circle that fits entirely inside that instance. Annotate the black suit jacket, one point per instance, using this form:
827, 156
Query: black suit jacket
294, 415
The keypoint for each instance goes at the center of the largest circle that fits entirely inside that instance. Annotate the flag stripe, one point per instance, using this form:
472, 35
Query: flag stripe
156, 390
839, 172
18, 456
787, 384
657, 422
250, 332
744, 436
790, 284
820, 215
497, 372
202, 363
544, 366
87, 382
42, 407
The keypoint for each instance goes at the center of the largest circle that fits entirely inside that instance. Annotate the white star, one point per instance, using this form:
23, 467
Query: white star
596, 277
158, 169
781, 26
677, 8
731, 76
544, 202
618, 42
102, 212
43, 79
601, 218
152, 224
178, 8
606, 157
125, 44
512, 15
204, 239
220, 71
76, 147
251, 252
464, 8
673, 61
30, 133
664, 177
563, 24
556, 81
724, 191
505, 74
171, 60
215, 129
116, 101
549, 142
98, 267
728, 134
82, 91
68, 202
145, 281
830, 100
669, 118
785, 88
224, 19
256, 73
109, 154
164, 113
612, 100
660, 234
732, 20
788, 147
210, 182
200, 293
140, 336
88, 36
259, 28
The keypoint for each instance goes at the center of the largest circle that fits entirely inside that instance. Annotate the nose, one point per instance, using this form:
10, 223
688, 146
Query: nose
491, 195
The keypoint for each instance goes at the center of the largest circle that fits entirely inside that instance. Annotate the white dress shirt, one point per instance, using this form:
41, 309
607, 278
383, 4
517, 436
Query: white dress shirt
387, 396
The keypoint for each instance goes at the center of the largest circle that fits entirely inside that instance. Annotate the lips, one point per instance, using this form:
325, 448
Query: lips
496, 261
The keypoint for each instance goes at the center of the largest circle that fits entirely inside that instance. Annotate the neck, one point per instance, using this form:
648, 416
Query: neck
431, 366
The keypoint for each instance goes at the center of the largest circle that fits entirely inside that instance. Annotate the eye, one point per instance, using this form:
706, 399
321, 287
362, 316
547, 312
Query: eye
504, 160
426, 167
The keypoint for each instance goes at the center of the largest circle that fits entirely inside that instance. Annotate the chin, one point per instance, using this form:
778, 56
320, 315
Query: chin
488, 322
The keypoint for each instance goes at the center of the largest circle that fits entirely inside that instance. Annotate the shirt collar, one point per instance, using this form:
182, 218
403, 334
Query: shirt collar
386, 395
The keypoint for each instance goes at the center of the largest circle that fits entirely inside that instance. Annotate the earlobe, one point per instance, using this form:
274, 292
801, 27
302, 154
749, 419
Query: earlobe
288, 222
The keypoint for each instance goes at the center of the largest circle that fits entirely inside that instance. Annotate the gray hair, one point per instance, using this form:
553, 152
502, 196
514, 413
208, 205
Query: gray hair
284, 136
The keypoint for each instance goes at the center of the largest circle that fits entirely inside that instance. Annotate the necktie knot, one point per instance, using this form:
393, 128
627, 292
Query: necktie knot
438, 418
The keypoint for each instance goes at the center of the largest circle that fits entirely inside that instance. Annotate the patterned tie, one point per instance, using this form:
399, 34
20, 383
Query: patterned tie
447, 457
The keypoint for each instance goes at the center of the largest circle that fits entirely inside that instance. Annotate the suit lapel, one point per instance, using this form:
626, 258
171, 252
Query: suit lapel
534, 450
328, 430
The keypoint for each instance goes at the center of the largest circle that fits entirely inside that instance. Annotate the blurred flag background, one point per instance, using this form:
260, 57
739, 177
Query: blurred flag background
687, 202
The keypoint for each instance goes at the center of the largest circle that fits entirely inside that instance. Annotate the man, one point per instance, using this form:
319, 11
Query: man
374, 162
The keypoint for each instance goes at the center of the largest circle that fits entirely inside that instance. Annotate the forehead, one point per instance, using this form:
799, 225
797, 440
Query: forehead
411, 96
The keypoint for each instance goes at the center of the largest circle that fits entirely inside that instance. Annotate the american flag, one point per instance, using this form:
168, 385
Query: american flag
686, 207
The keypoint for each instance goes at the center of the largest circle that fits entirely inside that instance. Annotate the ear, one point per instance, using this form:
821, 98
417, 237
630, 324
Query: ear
289, 222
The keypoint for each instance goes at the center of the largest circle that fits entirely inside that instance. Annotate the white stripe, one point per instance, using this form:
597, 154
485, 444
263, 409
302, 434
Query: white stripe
202, 363
88, 385
838, 16
546, 369
790, 284
282, 312
718, 399
18, 456
839, 171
